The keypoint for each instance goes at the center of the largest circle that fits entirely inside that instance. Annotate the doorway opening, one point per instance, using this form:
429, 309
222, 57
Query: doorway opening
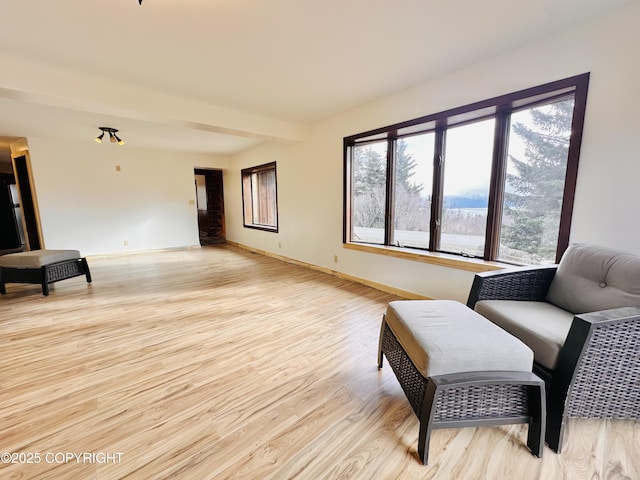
210, 203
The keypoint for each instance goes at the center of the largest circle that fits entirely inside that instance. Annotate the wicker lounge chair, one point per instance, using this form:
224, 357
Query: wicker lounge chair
582, 320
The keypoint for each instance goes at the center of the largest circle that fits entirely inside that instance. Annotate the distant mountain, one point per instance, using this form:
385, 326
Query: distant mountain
466, 201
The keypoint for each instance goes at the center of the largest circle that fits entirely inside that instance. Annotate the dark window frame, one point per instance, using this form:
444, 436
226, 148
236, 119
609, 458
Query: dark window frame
246, 175
499, 108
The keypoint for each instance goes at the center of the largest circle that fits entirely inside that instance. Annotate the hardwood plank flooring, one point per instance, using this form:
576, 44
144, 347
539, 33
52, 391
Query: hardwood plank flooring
218, 363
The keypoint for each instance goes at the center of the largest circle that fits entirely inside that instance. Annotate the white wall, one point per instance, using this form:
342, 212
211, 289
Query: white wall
607, 205
85, 204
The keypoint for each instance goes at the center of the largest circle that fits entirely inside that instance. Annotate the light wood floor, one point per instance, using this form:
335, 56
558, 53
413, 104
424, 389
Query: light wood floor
218, 363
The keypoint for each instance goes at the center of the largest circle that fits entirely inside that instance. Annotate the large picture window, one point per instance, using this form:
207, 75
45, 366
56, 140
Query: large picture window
494, 180
259, 197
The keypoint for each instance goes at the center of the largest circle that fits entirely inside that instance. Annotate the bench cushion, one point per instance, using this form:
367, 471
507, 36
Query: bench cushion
37, 258
542, 326
444, 336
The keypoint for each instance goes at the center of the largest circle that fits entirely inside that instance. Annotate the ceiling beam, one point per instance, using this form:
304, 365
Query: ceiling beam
52, 86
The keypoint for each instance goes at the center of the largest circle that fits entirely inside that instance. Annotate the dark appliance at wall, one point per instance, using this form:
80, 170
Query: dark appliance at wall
11, 229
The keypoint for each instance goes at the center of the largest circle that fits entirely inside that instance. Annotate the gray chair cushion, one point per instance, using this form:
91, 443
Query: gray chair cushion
443, 336
542, 326
592, 278
37, 258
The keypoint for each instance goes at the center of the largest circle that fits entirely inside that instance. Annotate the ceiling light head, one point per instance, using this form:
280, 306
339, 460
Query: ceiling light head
113, 138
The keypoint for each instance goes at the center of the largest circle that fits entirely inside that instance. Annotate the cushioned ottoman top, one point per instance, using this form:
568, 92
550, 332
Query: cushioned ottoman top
443, 336
37, 258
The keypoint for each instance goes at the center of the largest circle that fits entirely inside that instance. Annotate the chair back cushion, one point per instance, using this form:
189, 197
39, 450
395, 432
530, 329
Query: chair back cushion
592, 278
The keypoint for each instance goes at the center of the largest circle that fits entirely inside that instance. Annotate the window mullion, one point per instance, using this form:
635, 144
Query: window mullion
347, 192
496, 187
437, 191
389, 207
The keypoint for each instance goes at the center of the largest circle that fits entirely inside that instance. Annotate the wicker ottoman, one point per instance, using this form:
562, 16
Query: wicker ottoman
43, 267
458, 369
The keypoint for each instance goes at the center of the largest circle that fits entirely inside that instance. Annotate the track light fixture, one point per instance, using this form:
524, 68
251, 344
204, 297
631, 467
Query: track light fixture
113, 138
140, 2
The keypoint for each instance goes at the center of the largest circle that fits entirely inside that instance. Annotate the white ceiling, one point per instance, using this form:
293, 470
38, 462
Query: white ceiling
219, 76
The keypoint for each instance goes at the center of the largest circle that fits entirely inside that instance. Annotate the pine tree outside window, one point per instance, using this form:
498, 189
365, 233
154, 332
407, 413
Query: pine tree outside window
494, 180
536, 168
